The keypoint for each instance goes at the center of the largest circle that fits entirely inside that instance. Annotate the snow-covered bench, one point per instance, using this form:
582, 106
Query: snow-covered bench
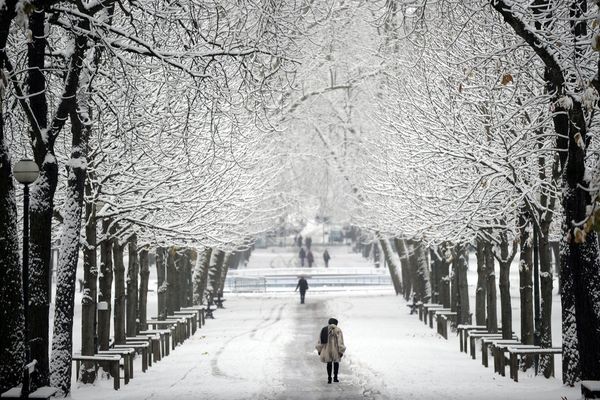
477, 335
424, 309
199, 309
498, 350
590, 389
44, 392
192, 317
442, 319
516, 352
127, 354
153, 339
165, 336
432, 312
113, 362
463, 330
142, 347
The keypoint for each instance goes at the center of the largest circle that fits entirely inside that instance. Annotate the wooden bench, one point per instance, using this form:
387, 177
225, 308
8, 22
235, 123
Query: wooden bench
474, 335
192, 316
153, 340
184, 325
219, 302
44, 392
462, 332
127, 354
442, 319
488, 342
198, 309
424, 309
500, 359
156, 324
432, 312
142, 348
113, 361
166, 336
516, 352
590, 389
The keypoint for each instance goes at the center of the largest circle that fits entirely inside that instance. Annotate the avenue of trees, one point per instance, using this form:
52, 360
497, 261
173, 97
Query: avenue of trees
182, 129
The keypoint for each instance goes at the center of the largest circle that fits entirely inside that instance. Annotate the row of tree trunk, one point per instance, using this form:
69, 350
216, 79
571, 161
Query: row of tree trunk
439, 275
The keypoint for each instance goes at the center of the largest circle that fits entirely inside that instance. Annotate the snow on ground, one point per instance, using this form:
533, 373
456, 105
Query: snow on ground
262, 347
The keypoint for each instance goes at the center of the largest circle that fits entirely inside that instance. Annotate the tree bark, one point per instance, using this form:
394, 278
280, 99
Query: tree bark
172, 282
161, 283
62, 342
41, 206
12, 343
105, 285
506, 258
546, 365
491, 300
526, 281
201, 275
133, 270
90, 285
480, 291
402, 249
444, 297
463, 312
143, 292
119, 303
214, 274
393, 268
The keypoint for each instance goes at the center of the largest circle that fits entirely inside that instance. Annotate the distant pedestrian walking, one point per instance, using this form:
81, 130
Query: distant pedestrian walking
326, 258
299, 240
303, 286
310, 258
302, 256
308, 242
331, 348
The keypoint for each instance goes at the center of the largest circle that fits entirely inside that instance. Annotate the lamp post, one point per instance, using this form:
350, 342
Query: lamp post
26, 172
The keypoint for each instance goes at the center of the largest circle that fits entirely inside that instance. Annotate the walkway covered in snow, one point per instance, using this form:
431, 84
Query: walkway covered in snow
262, 347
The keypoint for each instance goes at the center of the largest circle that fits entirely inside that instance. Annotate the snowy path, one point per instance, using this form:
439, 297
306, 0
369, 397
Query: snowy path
262, 347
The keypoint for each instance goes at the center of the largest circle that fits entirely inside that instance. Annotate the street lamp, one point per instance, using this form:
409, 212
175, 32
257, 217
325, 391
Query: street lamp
26, 172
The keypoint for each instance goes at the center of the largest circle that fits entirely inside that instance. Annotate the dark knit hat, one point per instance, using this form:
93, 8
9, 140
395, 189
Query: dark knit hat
333, 321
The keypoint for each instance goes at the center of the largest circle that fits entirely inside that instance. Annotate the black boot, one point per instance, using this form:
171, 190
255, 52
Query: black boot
335, 379
329, 379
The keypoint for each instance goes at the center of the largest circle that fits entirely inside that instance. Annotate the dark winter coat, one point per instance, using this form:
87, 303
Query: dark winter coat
326, 256
302, 285
302, 253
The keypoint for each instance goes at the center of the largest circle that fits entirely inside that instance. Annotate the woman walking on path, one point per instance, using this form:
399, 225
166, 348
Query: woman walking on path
331, 348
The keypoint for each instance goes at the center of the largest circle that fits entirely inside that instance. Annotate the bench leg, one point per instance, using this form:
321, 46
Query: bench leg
460, 339
126, 368
116, 374
472, 343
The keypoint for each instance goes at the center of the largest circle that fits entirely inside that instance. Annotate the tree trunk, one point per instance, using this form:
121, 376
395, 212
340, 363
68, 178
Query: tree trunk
161, 283
463, 312
387, 253
423, 272
555, 247
526, 282
402, 249
105, 286
444, 297
214, 274
133, 270
201, 275
224, 270
119, 305
505, 301
546, 366
143, 292
181, 263
172, 282
62, 342
192, 257
41, 206
480, 291
571, 365
12, 325
491, 300
435, 275
90, 282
